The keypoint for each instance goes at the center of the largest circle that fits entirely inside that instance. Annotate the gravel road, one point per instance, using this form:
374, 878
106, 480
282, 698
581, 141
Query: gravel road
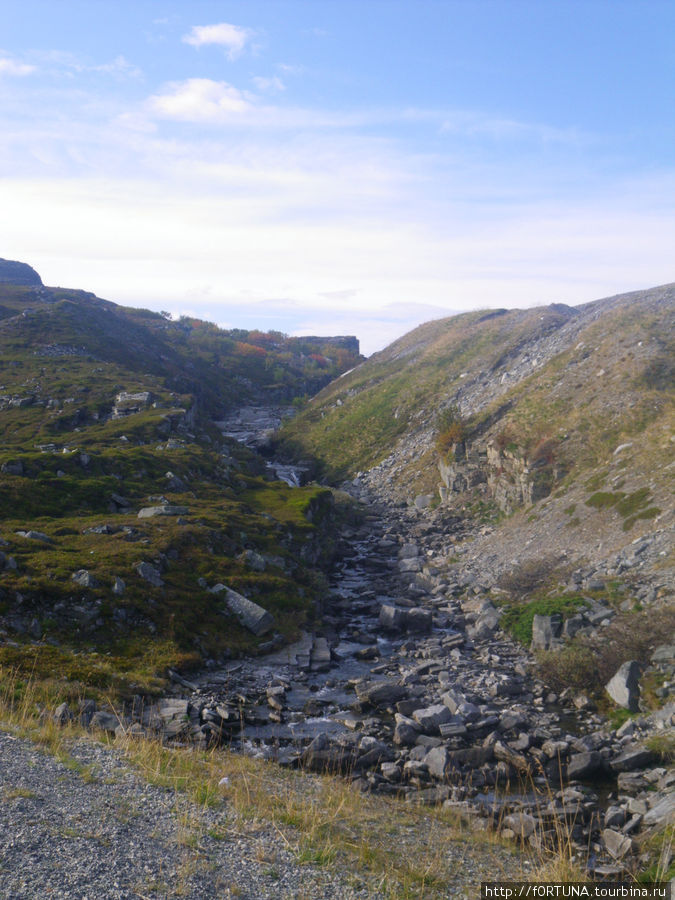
97, 831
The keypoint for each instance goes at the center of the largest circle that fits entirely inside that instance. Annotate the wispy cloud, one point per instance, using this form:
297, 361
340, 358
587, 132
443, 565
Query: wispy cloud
200, 100
232, 37
15, 69
273, 85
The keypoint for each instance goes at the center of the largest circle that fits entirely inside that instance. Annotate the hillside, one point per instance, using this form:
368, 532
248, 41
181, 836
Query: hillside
552, 426
123, 504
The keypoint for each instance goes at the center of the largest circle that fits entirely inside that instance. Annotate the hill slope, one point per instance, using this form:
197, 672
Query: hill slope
553, 426
107, 411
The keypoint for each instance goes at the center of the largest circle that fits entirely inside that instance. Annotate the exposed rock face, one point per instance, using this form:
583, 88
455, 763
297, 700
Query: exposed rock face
12, 272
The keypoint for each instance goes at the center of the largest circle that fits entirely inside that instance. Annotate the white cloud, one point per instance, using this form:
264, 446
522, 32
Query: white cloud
200, 100
273, 85
12, 67
232, 37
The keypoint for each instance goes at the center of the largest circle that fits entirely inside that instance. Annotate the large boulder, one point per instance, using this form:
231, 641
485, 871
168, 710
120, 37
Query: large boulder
250, 614
624, 688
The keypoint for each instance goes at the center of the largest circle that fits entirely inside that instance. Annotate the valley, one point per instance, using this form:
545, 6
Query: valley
445, 576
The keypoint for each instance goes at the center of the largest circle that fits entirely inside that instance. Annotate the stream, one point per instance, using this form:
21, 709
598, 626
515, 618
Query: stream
410, 688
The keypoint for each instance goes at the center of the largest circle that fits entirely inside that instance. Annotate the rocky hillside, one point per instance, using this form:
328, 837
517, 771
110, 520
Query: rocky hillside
124, 505
553, 427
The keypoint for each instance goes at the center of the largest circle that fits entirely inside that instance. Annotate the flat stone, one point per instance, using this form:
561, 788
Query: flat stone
380, 693
149, 512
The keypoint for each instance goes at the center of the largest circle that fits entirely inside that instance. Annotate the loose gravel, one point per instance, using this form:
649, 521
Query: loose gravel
94, 830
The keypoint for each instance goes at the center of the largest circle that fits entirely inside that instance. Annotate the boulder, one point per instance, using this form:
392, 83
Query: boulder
150, 574
584, 765
431, 718
149, 512
250, 614
437, 762
418, 620
105, 721
545, 629
618, 845
663, 812
84, 579
624, 688
380, 693
392, 618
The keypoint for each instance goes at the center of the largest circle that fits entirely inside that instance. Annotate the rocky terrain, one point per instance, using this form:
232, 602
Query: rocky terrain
480, 618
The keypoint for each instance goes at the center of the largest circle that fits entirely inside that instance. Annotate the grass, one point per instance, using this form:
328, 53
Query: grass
400, 849
321, 820
517, 619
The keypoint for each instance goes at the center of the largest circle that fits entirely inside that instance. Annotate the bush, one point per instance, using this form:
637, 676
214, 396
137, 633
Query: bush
588, 663
451, 429
530, 575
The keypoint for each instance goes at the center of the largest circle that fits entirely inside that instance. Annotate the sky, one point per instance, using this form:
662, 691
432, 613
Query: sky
339, 167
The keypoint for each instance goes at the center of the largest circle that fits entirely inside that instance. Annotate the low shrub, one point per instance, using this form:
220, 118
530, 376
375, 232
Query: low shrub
530, 575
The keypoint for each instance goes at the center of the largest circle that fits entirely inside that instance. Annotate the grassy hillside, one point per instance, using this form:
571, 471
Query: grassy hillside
105, 411
586, 378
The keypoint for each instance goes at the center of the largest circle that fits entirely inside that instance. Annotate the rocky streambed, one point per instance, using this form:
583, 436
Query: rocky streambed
411, 689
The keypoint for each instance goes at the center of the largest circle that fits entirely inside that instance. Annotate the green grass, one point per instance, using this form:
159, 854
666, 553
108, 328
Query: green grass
517, 618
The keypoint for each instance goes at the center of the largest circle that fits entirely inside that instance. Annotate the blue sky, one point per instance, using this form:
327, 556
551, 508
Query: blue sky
339, 167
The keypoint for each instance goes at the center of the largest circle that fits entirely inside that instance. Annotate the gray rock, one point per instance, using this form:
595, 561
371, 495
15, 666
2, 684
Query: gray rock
663, 812
634, 757
583, 765
105, 721
618, 845
150, 574
545, 629
12, 468
665, 653
437, 762
521, 824
431, 718
118, 586
250, 614
85, 579
381, 693
62, 714
35, 536
624, 688
418, 620
149, 512
409, 551
392, 618
615, 816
